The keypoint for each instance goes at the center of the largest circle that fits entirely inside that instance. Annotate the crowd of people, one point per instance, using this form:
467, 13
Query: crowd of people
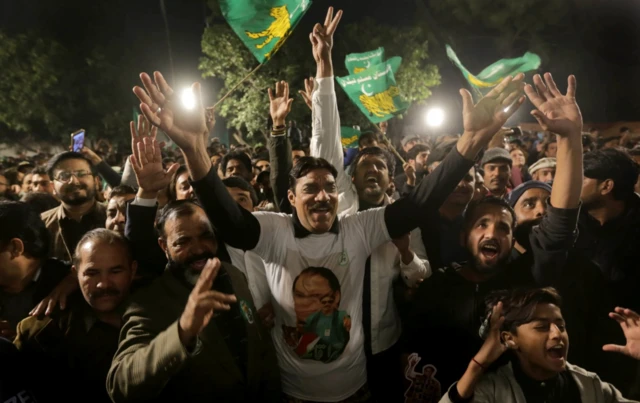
297, 272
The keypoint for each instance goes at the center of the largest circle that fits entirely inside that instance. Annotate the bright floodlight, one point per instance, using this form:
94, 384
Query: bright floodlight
435, 117
188, 99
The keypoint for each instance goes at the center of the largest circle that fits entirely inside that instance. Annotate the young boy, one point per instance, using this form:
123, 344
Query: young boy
530, 325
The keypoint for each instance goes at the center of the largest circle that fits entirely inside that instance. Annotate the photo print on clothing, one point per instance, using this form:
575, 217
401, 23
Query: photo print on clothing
424, 387
322, 329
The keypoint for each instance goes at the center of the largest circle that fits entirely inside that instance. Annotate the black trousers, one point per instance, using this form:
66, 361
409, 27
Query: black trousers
385, 376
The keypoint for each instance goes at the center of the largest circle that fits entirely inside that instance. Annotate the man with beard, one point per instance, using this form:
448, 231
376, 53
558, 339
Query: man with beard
314, 235
194, 334
79, 342
452, 298
79, 212
237, 163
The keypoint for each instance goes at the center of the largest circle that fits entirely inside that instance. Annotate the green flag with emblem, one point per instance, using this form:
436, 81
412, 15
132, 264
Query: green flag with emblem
491, 75
358, 62
263, 25
375, 92
349, 136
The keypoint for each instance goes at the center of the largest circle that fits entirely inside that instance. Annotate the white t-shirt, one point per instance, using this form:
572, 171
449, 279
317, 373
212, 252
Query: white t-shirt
318, 334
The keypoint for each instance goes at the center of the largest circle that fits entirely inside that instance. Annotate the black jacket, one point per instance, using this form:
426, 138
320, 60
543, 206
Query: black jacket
615, 248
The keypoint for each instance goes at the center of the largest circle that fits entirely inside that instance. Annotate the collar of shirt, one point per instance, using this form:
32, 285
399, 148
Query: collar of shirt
300, 231
628, 218
534, 388
62, 213
363, 205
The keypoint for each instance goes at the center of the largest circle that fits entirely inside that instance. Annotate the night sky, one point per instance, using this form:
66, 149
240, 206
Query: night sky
602, 34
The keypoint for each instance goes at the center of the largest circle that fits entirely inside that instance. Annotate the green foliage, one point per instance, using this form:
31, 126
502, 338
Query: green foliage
226, 58
47, 91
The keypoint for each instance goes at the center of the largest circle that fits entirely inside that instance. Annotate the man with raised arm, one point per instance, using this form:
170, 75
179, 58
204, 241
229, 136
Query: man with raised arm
365, 189
318, 333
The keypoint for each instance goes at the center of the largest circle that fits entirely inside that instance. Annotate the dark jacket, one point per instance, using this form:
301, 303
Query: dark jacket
52, 272
70, 344
447, 309
614, 247
280, 165
152, 364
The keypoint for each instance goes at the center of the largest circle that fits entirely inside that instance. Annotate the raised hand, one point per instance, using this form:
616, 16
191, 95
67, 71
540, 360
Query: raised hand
202, 303
308, 90
485, 118
139, 132
89, 153
322, 40
555, 112
186, 127
280, 103
146, 161
630, 323
493, 346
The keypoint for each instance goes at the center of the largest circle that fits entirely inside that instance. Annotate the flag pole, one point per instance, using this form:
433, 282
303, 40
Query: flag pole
235, 87
391, 147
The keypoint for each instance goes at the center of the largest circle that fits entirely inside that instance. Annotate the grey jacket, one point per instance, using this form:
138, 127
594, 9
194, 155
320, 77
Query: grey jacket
501, 387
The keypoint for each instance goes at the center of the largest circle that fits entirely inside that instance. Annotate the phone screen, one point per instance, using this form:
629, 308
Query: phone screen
78, 141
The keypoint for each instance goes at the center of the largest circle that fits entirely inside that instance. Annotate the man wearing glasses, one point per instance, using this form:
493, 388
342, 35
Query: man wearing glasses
79, 212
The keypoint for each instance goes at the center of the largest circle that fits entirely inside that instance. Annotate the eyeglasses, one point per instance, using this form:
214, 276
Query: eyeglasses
65, 176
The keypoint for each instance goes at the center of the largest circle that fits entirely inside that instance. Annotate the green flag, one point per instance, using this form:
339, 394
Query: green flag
493, 74
358, 62
350, 136
375, 92
263, 25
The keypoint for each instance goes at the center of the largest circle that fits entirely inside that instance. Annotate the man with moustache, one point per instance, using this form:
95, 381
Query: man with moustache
194, 334
496, 163
79, 342
452, 298
79, 212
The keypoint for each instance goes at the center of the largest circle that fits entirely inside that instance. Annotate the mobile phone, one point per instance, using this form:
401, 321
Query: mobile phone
77, 140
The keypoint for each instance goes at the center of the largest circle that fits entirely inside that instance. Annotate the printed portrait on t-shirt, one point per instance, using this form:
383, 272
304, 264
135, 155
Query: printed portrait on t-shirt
321, 331
424, 387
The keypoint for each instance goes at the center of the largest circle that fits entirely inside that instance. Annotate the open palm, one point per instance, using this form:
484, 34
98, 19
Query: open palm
280, 103
485, 118
146, 161
630, 323
555, 112
186, 127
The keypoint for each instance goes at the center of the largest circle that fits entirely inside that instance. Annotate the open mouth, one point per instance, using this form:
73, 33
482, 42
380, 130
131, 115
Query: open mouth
557, 352
371, 180
490, 250
199, 264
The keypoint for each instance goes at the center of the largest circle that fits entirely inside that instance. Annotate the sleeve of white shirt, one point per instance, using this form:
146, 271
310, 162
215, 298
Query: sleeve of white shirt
275, 232
326, 141
372, 225
417, 270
